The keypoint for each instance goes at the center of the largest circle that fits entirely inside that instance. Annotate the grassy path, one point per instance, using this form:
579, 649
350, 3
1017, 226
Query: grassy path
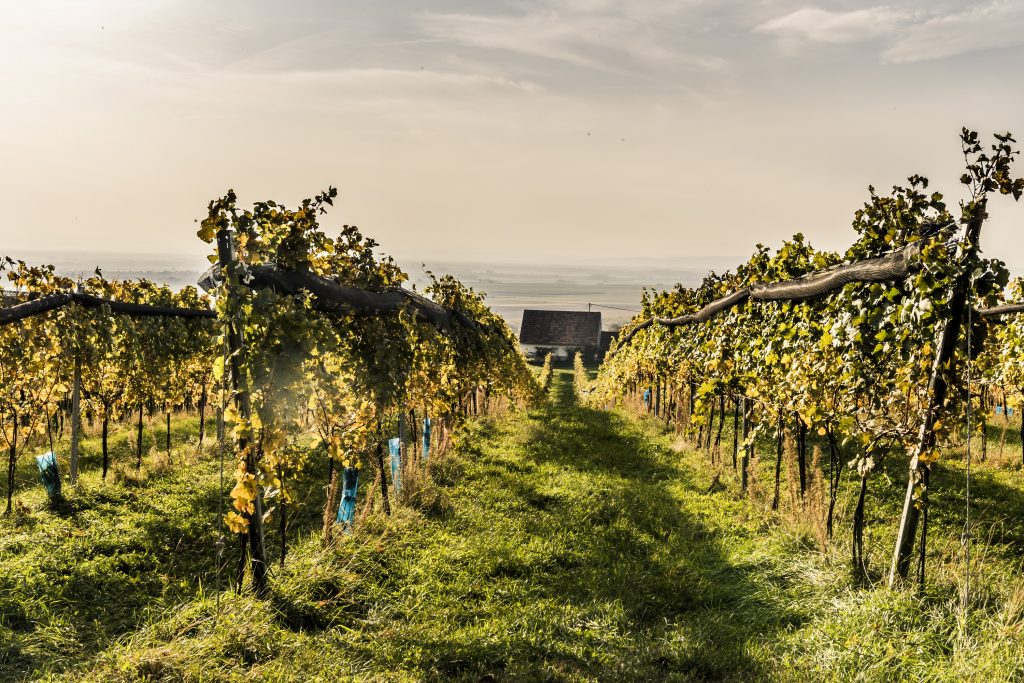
569, 546
572, 550
559, 544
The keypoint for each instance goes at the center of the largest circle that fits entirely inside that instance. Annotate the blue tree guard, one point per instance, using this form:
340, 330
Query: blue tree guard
426, 437
347, 507
395, 446
49, 474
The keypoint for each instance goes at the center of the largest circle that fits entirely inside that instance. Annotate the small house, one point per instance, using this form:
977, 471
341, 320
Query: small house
560, 333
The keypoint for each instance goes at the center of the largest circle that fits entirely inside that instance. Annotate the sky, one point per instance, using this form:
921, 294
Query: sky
535, 131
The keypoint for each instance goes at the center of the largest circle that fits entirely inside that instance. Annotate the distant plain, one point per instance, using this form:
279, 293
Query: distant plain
613, 289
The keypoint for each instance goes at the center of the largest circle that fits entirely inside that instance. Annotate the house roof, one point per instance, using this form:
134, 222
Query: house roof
560, 328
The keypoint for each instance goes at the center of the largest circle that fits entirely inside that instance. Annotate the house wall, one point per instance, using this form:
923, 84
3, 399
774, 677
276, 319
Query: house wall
558, 353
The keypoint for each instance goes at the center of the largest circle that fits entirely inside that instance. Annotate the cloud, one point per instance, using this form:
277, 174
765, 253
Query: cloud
823, 26
982, 27
625, 38
383, 90
907, 35
535, 35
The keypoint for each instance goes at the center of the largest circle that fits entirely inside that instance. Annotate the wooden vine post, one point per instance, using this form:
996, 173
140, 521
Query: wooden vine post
403, 448
202, 415
236, 348
779, 445
946, 342
385, 503
76, 407
76, 418
745, 409
735, 431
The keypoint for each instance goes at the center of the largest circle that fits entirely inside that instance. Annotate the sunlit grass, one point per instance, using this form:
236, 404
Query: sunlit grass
560, 544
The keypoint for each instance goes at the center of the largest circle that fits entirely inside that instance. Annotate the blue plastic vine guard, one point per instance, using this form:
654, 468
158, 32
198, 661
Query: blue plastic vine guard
395, 447
49, 474
347, 507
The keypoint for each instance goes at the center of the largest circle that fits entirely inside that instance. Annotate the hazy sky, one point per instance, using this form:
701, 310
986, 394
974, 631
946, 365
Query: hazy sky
535, 130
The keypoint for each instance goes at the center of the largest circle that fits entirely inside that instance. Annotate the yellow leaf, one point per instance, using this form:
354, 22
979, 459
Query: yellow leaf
236, 522
207, 230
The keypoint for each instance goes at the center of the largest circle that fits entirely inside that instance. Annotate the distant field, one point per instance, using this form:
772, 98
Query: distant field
510, 288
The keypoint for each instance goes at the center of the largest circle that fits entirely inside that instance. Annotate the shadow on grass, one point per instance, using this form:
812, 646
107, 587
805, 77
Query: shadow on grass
996, 504
618, 551
568, 552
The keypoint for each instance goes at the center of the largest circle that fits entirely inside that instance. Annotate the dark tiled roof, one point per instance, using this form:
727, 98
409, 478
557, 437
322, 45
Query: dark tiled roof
560, 328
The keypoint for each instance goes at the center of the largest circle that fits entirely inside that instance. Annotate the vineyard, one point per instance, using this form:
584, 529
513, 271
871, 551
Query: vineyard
907, 358
303, 468
314, 349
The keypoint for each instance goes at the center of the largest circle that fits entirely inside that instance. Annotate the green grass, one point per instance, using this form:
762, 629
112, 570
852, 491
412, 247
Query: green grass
561, 543
76, 575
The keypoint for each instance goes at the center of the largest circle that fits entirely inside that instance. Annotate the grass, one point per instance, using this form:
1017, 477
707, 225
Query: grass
79, 574
562, 543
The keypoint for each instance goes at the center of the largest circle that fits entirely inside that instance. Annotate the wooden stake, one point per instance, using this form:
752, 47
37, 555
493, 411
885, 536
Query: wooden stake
746, 449
385, 503
76, 417
257, 552
778, 461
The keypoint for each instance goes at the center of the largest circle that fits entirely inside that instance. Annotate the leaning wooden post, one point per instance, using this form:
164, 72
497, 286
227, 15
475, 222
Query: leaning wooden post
945, 345
236, 348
